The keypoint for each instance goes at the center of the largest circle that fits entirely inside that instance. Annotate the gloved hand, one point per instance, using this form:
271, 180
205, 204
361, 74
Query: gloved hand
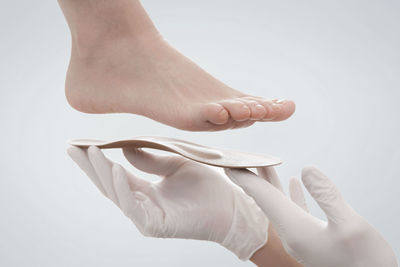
192, 200
345, 240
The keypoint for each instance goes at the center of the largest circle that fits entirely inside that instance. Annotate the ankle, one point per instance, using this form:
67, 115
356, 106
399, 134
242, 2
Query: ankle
95, 25
89, 44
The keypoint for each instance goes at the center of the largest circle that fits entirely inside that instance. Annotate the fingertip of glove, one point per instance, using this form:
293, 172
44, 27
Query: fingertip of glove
235, 171
309, 173
232, 173
240, 177
294, 183
93, 150
73, 152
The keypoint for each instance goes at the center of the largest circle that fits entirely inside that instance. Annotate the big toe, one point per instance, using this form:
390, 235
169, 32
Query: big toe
280, 110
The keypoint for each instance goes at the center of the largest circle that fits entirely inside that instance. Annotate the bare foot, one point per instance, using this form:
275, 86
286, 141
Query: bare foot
126, 71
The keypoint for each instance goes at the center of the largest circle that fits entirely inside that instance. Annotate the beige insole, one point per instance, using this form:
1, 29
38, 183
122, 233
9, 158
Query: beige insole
203, 154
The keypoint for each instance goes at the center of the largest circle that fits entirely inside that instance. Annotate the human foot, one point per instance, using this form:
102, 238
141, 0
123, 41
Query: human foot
122, 70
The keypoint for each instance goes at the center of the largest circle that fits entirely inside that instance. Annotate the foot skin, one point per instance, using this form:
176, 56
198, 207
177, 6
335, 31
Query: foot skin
150, 78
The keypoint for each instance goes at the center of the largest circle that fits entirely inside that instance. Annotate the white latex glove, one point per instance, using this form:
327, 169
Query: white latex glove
192, 200
345, 240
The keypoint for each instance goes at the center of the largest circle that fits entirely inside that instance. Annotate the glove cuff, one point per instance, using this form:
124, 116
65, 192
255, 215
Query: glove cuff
249, 229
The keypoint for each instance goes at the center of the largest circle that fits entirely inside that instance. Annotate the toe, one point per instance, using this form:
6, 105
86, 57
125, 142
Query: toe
257, 111
280, 110
216, 114
275, 110
238, 110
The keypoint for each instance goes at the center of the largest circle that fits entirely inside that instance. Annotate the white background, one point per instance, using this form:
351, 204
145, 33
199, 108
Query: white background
339, 60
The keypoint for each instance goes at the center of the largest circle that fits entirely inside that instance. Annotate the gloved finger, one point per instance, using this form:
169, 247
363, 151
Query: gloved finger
285, 215
151, 163
103, 168
269, 174
80, 157
297, 194
135, 205
325, 192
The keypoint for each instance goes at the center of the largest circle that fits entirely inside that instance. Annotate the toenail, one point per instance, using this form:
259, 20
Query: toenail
246, 108
222, 112
279, 101
260, 107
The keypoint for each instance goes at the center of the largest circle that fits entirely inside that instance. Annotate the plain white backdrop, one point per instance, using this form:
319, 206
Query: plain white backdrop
339, 60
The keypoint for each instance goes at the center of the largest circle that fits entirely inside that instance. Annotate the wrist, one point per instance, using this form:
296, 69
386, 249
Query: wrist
248, 230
